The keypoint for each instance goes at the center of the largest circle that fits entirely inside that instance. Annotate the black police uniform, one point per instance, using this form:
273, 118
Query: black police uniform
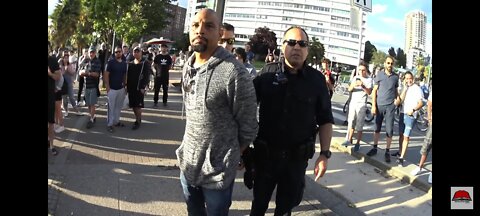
292, 106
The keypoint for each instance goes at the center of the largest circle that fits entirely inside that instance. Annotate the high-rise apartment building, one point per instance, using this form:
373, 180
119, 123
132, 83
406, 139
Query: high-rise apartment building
333, 22
176, 21
195, 5
415, 30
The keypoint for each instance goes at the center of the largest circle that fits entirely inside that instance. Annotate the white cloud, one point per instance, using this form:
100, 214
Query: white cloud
378, 9
372, 35
393, 21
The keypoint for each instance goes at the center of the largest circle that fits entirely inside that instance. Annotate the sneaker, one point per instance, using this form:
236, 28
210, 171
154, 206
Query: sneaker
119, 124
55, 127
396, 154
164, 103
54, 151
90, 124
346, 143
110, 129
345, 123
82, 103
59, 129
372, 152
400, 162
356, 147
136, 125
417, 171
430, 178
65, 114
155, 105
387, 157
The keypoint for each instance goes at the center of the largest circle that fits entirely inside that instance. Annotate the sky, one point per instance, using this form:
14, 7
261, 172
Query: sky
385, 26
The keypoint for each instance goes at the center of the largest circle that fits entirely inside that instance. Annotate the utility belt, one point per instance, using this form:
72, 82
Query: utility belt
302, 151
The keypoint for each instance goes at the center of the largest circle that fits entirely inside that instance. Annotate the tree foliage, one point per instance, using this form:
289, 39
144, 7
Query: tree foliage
392, 53
183, 42
401, 60
369, 50
64, 21
262, 40
316, 50
379, 57
129, 19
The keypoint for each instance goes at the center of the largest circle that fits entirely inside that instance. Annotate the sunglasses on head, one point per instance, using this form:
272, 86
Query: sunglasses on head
229, 41
292, 42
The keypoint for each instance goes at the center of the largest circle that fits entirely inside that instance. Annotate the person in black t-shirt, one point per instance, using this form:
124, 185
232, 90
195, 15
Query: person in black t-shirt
53, 75
162, 64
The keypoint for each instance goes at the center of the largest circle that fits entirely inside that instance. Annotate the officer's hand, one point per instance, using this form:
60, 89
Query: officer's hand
320, 167
241, 165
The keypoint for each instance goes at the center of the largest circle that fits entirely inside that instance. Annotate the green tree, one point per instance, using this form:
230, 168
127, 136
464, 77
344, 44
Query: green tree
401, 60
156, 14
262, 40
316, 50
369, 50
392, 53
183, 42
65, 18
379, 57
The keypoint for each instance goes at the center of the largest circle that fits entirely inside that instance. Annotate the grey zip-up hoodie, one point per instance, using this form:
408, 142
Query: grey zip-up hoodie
221, 118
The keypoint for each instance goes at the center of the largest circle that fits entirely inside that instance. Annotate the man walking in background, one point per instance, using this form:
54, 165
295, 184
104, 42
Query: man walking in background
162, 64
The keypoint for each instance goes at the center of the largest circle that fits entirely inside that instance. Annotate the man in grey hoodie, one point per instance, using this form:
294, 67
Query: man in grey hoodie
221, 120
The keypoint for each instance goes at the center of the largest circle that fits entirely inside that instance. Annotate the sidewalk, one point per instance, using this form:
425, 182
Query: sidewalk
133, 172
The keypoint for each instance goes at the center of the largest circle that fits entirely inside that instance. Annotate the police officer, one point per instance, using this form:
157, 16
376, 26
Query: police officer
294, 107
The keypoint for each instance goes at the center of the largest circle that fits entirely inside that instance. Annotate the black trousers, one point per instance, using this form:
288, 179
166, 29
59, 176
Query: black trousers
285, 174
81, 82
160, 82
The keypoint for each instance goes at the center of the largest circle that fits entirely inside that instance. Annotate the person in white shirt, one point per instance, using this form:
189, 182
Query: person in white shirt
360, 87
411, 97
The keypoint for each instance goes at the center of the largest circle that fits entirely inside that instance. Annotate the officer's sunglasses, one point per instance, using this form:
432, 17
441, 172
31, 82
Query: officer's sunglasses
292, 42
229, 41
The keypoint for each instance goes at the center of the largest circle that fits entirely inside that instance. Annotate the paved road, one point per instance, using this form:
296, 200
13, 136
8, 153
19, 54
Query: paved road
135, 173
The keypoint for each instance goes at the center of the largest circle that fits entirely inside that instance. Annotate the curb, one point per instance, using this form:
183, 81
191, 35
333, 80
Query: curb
403, 173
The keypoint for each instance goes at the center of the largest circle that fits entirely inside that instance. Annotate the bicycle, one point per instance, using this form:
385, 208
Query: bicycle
369, 115
341, 88
422, 119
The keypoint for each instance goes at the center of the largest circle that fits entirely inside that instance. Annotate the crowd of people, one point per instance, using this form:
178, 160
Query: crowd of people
223, 95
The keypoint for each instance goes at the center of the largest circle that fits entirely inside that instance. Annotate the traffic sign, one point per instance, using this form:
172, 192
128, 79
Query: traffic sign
366, 5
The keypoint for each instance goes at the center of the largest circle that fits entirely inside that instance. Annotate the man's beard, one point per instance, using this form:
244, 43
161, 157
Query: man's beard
199, 48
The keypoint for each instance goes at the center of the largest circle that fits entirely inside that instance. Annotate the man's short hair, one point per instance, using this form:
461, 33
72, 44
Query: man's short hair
298, 28
326, 60
228, 27
164, 45
241, 51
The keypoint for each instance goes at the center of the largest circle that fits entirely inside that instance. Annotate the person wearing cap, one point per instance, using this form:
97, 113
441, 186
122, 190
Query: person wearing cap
137, 79
91, 73
162, 64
